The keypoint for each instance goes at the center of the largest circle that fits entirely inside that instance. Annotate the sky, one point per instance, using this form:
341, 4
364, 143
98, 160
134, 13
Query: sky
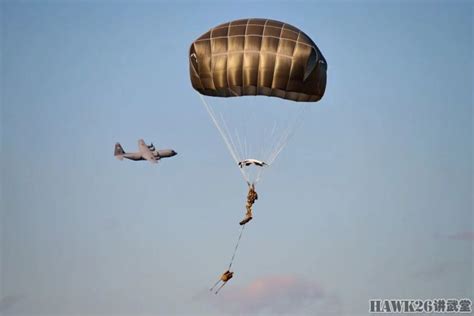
372, 198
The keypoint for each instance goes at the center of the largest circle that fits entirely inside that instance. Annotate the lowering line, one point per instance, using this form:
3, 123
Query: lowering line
236, 247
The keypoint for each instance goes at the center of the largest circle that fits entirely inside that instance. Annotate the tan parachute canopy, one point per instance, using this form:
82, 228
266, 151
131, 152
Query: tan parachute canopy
257, 57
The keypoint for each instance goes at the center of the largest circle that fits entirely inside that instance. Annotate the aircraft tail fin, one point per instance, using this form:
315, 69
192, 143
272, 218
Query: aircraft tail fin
119, 152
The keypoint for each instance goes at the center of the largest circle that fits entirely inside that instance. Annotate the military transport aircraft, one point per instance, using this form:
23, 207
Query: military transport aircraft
145, 152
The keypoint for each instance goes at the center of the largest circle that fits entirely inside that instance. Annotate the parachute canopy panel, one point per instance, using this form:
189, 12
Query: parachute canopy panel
257, 57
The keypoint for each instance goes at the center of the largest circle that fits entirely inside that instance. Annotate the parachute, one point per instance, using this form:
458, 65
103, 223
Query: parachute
233, 65
256, 78
257, 57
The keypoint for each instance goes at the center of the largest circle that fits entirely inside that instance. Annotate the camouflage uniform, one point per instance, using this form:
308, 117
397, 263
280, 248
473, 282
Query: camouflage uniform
226, 276
252, 196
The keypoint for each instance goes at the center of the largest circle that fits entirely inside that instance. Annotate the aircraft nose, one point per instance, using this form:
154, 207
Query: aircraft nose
174, 153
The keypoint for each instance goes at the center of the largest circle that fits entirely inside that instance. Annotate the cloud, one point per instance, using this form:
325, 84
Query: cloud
277, 295
467, 235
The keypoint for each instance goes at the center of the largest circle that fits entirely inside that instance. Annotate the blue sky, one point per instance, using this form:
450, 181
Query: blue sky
378, 205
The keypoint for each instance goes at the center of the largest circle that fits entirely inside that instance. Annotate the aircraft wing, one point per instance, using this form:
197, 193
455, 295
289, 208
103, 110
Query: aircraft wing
153, 159
133, 156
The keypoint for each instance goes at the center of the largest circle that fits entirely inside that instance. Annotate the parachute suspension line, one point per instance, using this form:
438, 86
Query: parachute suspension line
242, 155
240, 143
262, 144
238, 136
290, 132
284, 137
238, 146
246, 147
259, 174
248, 122
223, 135
279, 137
283, 141
278, 145
271, 141
228, 105
280, 140
236, 247
264, 149
244, 174
226, 129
